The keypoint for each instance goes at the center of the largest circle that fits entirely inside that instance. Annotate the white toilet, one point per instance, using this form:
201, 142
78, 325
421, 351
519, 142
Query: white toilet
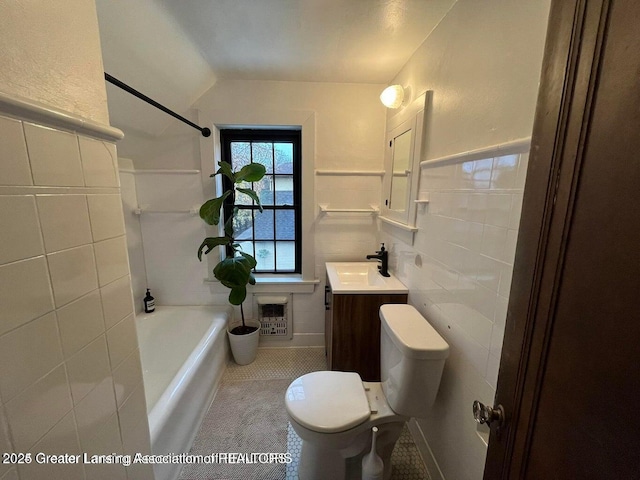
333, 412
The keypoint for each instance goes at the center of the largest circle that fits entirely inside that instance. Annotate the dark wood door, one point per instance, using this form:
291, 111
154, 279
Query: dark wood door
570, 371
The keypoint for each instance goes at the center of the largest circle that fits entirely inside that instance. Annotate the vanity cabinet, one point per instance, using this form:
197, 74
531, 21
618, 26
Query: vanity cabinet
352, 331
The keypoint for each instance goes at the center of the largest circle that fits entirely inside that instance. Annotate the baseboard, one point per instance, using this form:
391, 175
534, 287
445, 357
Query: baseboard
298, 340
425, 452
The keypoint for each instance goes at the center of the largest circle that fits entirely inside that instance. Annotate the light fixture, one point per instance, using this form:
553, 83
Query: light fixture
392, 96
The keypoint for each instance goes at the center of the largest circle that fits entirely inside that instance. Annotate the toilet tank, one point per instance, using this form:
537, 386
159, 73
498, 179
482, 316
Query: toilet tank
412, 358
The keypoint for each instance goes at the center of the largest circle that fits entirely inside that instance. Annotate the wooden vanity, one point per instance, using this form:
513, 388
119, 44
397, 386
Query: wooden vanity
352, 330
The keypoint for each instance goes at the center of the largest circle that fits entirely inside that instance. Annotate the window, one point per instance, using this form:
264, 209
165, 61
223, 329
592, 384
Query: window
272, 236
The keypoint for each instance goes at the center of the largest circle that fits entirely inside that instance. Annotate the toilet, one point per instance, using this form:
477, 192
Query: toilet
334, 412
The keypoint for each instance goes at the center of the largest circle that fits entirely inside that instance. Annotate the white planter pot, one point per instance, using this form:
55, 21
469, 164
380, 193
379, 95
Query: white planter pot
244, 347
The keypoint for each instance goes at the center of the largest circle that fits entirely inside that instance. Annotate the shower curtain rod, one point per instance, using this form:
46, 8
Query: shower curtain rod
206, 132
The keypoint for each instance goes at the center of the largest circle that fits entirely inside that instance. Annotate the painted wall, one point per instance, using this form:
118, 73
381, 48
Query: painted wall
483, 64
50, 53
143, 46
348, 134
70, 376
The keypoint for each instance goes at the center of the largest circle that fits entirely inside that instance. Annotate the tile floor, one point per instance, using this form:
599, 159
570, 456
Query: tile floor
278, 363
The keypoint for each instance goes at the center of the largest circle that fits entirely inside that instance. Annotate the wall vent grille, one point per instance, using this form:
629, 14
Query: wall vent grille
275, 315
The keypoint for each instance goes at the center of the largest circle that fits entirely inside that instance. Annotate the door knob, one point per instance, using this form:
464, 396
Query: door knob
485, 414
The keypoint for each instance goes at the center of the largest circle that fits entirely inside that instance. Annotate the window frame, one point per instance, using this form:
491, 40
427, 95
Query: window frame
270, 135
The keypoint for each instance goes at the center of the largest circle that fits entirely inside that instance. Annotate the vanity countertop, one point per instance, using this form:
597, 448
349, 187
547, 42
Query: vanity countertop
361, 278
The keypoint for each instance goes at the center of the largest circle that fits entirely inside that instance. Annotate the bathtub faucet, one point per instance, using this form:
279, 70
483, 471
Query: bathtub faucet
383, 256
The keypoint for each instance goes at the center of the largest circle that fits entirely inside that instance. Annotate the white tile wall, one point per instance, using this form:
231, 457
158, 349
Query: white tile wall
21, 239
80, 322
99, 163
25, 292
61, 439
162, 247
134, 235
106, 216
66, 322
38, 408
345, 237
5, 442
171, 240
122, 339
87, 368
111, 259
73, 273
19, 368
116, 301
54, 156
15, 162
64, 231
466, 246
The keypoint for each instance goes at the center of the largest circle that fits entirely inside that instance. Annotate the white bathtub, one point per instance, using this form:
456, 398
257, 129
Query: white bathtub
184, 353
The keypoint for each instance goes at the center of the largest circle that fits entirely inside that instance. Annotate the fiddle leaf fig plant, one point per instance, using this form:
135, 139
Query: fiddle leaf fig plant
235, 271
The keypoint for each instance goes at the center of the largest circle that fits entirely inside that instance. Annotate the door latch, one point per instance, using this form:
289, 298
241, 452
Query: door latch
485, 414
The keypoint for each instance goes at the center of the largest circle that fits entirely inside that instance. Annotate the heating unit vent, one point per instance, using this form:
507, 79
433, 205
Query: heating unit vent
274, 313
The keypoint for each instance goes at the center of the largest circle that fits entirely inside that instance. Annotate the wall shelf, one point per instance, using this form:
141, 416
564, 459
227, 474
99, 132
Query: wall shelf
359, 173
374, 210
139, 211
401, 226
424, 198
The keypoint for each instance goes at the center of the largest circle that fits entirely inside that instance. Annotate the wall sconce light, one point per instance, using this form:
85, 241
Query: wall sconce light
392, 96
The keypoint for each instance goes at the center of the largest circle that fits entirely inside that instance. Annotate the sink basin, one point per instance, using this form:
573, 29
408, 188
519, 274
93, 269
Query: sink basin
361, 277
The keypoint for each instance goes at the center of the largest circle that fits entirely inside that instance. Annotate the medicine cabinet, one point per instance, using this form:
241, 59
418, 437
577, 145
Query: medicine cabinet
403, 148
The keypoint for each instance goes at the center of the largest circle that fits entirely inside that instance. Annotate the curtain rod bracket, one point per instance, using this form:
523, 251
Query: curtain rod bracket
206, 132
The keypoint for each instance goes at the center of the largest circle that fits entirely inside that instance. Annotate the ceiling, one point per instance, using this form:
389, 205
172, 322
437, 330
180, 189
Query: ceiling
175, 50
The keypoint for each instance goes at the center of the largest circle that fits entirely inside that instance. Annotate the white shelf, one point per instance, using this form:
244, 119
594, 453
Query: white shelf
359, 173
401, 226
374, 210
140, 211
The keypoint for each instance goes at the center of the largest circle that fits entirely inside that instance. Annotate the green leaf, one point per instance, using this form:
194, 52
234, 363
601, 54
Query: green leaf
210, 243
237, 295
210, 210
252, 194
228, 225
252, 261
225, 169
250, 173
233, 272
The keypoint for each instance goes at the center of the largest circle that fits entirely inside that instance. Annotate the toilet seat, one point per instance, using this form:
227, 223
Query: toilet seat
328, 402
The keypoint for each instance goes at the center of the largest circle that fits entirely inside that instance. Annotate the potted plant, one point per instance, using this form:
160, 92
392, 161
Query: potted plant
235, 271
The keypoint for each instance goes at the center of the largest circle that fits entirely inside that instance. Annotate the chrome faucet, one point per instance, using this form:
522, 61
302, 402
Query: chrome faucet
383, 256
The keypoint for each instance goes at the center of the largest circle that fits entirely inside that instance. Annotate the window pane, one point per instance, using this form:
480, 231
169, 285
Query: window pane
264, 189
241, 198
263, 153
284, 189
265, 255
247, 247
263, 225
286, 256
285, 225
240, 154
242, 224
284, 157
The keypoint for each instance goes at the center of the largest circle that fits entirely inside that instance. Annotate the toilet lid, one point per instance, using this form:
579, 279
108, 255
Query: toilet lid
327, 402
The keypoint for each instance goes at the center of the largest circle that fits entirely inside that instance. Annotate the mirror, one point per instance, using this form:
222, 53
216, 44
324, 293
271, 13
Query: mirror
401, 156
402, 164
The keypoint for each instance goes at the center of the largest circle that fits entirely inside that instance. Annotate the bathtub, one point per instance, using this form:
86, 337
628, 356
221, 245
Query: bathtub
184, 352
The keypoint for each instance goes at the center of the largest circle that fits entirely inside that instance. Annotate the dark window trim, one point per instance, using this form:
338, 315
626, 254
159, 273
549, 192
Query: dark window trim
274, 135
